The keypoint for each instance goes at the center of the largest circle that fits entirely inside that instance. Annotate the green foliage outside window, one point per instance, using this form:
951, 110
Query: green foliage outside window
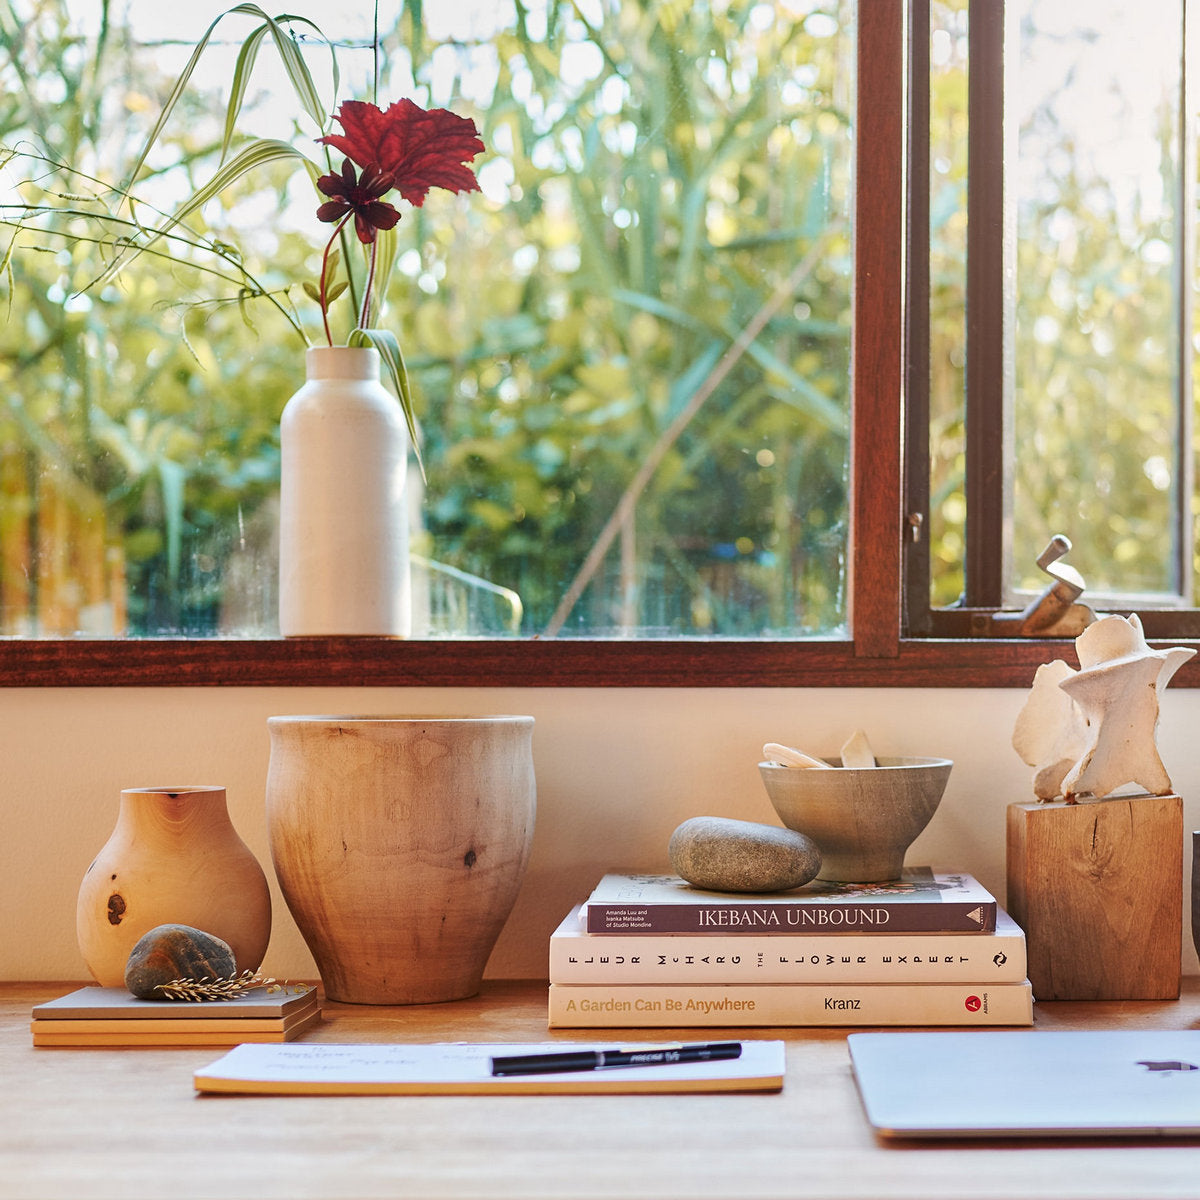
1097, 231
638, 349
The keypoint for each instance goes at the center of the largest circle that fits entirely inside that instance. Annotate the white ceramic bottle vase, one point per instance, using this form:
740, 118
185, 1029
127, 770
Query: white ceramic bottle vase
343, 521
173, 857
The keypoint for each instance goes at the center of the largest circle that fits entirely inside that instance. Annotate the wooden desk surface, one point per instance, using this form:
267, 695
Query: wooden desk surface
126, 1124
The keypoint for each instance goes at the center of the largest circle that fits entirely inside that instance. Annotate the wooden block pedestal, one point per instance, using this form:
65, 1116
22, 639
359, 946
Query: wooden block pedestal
1098, 888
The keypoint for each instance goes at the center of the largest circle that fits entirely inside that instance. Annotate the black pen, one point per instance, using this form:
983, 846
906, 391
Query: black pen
597, 1060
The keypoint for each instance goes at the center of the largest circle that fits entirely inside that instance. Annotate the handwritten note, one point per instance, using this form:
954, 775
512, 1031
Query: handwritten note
322, 1068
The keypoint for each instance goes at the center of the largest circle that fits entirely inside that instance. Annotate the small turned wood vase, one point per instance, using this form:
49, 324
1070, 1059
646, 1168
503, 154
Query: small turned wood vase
400, 845
174, 857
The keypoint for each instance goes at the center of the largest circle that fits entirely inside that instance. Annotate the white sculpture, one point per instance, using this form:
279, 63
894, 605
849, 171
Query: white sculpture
1091, 731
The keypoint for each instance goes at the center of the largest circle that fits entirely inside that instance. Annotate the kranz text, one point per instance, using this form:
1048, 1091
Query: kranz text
824, 916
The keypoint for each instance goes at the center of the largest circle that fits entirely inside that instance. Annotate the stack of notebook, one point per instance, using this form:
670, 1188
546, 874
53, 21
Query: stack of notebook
926, 949
99, 1016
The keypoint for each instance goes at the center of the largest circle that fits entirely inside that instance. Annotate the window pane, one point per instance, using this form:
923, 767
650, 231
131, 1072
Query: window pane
640, 328
947, 296
1096, 93
1092, 180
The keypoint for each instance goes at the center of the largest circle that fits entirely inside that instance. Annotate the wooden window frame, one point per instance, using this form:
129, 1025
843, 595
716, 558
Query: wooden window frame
989, 434
875, 655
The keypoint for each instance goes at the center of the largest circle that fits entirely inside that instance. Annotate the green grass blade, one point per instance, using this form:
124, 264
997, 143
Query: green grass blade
289, 53
393, 358
6, 268
241, 79
172, 479
387, 250
173, 99
297, 69
658, 307
416, 24
258, 153
809, 399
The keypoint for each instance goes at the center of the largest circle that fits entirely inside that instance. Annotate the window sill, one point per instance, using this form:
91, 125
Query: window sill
379, 662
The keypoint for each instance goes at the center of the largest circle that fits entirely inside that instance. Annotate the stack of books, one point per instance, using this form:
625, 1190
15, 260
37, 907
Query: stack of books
927, 949
100, 1016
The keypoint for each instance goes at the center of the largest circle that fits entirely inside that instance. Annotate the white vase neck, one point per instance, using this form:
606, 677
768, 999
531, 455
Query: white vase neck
342, 362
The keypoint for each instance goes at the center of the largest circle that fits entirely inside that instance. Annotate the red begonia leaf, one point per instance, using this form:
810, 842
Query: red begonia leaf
419, 149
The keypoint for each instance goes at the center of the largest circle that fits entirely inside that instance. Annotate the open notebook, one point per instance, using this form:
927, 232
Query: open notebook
325, 1068
1024, 1083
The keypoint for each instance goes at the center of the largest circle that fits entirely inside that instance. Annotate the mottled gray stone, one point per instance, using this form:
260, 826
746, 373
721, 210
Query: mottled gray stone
170, 952
724, 855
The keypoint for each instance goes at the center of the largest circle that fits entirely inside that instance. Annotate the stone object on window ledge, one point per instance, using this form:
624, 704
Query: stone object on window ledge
724, 855
1090, 731
1057, 612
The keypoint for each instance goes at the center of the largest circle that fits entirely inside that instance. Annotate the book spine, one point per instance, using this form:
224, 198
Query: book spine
830, 958
120, 1040
244, 1025
976, 916
602, 1007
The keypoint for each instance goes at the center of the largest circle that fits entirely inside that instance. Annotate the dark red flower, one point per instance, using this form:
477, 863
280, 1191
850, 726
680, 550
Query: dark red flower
359, 196
419, 149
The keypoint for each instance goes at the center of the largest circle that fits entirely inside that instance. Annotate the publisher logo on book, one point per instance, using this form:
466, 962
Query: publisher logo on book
975, 1004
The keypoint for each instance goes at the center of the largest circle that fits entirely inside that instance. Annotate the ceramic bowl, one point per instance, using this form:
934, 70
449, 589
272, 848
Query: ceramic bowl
863, 819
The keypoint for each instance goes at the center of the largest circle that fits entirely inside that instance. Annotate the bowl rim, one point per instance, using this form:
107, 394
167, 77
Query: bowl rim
399, 719
885, 762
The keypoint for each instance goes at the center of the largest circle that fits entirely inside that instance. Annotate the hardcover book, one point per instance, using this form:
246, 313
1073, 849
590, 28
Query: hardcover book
577, 956
172, 1037
919, 902
714, 1005
117, 1004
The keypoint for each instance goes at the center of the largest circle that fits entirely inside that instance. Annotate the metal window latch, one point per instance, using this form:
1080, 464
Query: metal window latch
1057, 611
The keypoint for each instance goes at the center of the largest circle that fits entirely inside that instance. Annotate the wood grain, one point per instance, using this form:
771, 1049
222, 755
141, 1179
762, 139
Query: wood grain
110, 1124
173, 858
400, 846
379, 662
1097, 887
877, 346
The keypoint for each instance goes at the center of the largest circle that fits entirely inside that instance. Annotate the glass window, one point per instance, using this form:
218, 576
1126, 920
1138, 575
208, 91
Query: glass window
630, 355
1061, 194
947, 256
1097, 392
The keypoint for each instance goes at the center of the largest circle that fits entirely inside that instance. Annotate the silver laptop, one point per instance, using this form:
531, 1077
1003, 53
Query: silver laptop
1030, 1083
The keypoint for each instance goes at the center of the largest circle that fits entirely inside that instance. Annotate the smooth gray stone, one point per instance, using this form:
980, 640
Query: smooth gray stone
724, 855
170, 952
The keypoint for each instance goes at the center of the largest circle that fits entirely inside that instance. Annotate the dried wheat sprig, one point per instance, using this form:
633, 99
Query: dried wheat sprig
221, 989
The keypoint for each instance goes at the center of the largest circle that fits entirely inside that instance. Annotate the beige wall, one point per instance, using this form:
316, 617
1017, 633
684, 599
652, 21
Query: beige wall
617, 771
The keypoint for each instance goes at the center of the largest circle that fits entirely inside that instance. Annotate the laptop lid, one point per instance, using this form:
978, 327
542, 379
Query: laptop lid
1029, 1083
